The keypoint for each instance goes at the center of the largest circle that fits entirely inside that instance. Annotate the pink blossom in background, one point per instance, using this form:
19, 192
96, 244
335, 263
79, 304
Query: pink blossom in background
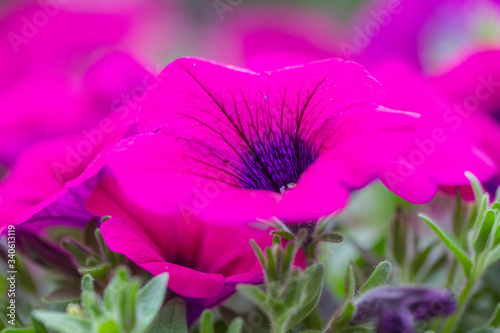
474, 85
65, 97
42, 73
272, 37
42, 169
441, 152
422, 32
230, 145
40, 76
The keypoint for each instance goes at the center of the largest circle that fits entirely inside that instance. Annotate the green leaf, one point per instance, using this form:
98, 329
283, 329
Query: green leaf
452, 244
311, 288
88, 234
283, 234
496, 236
236, 326
259, 254
62, 323
64, 294
476, 186
171, 318
484, 232
351, 287
379, 277
19, 330
110, 255
343, 317
332, 237
253, 293
484, 330
79, 251
112, 292
39, 327
495, 319
272, 271
206, 323
108, 326
149, 301
24, 275
87, 283
90, 300
97, 271
398, 237
92, 304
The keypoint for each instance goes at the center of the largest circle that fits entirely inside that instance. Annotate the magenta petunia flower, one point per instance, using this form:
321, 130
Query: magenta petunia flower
231, 145
440, 152
205, 261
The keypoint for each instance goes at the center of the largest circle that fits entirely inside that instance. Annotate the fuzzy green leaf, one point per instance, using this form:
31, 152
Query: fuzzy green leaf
452, 244
476, 186
62, 323
484, 330
253, 293
351, 287
379, 277
283, 234
206, 323
343, 317
311, 288
149, 301
98, 271
495, 319
236, 326
332, 237
108, 326
259, 254
64, 294
39, 327
171, 318
484, 232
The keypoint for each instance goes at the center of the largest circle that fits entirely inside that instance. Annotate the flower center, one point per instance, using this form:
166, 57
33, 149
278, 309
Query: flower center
275, 164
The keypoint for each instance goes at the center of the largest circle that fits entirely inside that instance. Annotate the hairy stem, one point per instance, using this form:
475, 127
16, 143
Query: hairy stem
463, 300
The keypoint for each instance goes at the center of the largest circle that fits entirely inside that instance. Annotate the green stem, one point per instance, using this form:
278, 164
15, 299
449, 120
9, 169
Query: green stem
278, 327
452, 274
463, 300
458, 220
314, 321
